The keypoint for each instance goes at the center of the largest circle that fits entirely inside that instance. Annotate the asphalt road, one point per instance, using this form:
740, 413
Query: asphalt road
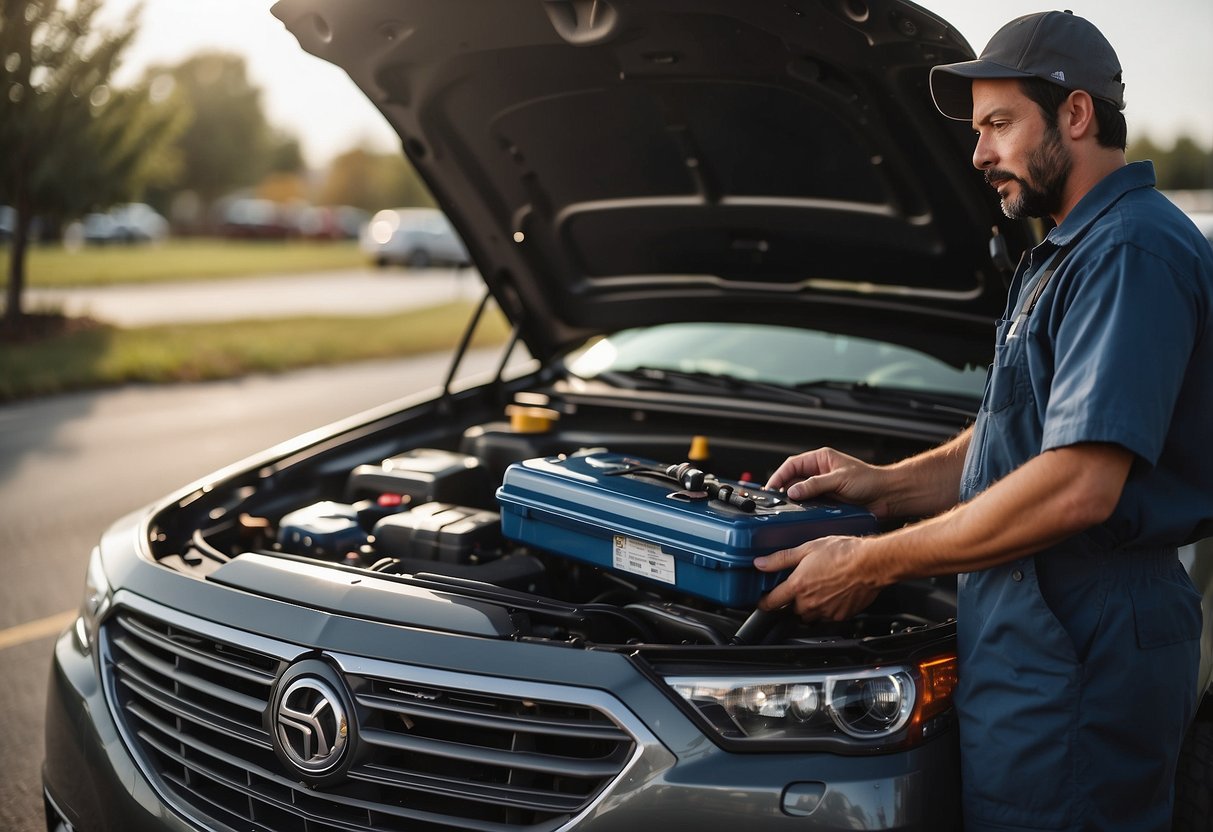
70, 465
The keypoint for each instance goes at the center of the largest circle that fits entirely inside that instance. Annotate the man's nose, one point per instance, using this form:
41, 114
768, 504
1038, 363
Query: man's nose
983, 154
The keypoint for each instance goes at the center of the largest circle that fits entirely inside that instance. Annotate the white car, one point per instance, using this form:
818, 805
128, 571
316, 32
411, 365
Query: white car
413, 237
133, 222
1203, 221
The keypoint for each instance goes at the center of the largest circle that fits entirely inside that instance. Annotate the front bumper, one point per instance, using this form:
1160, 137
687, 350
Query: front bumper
675, 777
89, 777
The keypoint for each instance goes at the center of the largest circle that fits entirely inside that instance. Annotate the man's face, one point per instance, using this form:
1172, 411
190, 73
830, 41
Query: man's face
1021, 153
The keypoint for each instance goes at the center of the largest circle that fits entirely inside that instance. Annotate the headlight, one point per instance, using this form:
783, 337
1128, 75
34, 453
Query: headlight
881, 704
872, 705
95, 602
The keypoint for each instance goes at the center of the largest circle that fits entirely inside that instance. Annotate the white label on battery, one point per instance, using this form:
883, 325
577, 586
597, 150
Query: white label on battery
642, 558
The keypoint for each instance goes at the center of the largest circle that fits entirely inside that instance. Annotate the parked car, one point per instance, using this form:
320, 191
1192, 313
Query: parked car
133, 222
139, 222
723, 233
249, 218
8, 221
121, 224
413, 237
331, 222
97, 228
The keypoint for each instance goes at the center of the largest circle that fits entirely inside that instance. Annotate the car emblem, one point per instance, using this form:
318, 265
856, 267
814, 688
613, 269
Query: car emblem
311, 726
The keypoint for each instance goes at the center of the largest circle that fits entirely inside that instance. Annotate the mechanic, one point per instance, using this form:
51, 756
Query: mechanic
1088, 464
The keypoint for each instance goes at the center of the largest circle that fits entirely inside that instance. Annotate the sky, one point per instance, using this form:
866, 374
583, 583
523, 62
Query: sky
1165, 48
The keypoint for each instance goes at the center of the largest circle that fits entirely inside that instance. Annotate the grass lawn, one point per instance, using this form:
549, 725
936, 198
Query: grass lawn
102, 355
52, 265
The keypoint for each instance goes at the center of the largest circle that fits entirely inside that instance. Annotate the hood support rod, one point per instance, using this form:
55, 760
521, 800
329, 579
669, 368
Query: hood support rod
465, 342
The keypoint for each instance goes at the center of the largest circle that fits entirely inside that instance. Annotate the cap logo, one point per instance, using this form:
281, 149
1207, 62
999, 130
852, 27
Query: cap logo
1058, 76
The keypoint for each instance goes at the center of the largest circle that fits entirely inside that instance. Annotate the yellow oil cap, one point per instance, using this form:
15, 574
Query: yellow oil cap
699, 449
530, 419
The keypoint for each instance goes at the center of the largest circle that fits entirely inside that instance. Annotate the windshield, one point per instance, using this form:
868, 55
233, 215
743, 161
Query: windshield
774, 354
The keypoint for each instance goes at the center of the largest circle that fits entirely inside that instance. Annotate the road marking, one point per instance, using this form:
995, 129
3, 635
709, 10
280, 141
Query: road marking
34, 630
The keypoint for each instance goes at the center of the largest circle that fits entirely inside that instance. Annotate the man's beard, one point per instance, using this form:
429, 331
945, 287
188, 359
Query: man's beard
1048, 169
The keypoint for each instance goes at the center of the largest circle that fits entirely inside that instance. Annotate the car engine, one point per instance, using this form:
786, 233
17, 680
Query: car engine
586, 535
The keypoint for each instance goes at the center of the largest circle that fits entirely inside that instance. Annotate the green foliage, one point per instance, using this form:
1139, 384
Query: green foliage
68, 141
1184, 166
372, 181
228, 142
286, 156
1189, 166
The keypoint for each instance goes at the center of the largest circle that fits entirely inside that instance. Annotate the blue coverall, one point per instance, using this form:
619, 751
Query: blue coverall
1078, 665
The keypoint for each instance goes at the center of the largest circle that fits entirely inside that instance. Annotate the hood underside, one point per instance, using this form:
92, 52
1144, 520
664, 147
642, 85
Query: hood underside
616, 163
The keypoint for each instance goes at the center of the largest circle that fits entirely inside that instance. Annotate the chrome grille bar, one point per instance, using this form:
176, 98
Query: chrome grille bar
472, 755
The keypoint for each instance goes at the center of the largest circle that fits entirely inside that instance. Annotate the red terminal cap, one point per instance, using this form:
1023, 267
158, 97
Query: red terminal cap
746, 476
390, 500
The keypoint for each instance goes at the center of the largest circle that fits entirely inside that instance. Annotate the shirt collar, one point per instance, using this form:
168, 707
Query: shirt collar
1099, 199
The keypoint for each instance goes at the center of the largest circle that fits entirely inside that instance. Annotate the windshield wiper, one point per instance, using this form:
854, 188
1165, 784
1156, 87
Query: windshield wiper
926, 401
816, 394
660, 378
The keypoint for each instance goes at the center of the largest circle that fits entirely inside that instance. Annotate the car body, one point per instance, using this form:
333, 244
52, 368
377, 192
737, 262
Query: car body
253, 218
133, 222
98, 228
1204, 221
8, 221
723, 232
413, 237
331, 222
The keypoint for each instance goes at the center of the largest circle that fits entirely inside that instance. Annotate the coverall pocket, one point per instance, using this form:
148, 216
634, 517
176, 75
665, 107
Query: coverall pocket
1005, 376
1075, 592
1166, 610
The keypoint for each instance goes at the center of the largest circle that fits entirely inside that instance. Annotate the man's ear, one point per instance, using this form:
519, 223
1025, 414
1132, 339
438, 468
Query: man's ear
1076, 117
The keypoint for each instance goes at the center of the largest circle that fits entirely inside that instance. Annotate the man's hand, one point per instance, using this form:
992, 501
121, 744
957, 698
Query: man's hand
826, 471
1063, 491
828, 581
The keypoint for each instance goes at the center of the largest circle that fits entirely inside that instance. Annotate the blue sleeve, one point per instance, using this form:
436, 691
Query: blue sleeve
1122, 346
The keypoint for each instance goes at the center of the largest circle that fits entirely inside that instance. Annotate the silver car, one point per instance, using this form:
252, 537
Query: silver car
413, 237
722, 232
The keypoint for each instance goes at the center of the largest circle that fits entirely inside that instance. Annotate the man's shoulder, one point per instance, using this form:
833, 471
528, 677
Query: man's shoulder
1145, 220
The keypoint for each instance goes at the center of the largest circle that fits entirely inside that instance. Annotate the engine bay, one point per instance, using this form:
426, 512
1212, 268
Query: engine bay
585, 535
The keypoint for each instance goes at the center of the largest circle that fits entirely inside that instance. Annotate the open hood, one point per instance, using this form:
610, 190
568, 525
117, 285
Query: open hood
616, 163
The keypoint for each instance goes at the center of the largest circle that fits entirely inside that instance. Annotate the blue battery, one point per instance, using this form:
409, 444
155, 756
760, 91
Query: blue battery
325, 529
623, 514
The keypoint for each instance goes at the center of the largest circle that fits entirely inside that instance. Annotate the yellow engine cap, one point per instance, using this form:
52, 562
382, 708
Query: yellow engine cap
529, 419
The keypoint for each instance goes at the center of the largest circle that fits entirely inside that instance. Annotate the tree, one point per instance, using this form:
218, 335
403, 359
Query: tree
68, 141
1185, 166
285, 156
372, 181
1189, 167
1143, 148
229, 143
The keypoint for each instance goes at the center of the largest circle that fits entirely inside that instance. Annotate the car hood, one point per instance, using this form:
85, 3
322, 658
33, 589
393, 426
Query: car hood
617, 163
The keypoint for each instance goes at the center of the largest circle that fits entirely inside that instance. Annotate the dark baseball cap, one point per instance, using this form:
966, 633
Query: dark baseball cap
1058, 47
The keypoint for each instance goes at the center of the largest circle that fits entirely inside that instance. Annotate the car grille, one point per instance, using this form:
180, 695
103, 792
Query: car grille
433, 757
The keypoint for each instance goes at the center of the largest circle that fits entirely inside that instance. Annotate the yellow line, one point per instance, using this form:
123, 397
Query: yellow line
34, 630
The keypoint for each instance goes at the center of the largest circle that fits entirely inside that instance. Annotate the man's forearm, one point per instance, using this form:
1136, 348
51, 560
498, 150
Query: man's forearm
1051, 497
928, 483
